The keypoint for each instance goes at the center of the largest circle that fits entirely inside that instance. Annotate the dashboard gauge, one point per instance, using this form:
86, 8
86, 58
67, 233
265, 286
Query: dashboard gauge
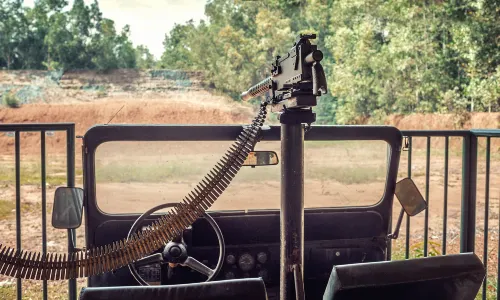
262, 257
246, 262
230, 259
229, 275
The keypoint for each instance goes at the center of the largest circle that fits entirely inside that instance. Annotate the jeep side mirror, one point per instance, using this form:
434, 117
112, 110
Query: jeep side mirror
411, 201
261, 158
410, 197
68, 208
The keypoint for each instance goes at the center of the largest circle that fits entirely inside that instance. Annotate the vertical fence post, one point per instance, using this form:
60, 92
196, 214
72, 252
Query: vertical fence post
70, 164
44, 205
18, 205
427, 188
407, 248
469, 176
486, 215
445, 196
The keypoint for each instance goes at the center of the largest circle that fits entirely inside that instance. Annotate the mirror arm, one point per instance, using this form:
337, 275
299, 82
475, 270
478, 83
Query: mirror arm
395, 234
72, 238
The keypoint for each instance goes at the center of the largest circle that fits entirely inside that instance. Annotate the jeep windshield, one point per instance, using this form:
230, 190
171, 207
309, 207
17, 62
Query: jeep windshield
132, 177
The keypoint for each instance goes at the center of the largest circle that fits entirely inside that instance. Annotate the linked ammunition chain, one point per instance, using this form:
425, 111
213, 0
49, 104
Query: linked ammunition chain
83, 263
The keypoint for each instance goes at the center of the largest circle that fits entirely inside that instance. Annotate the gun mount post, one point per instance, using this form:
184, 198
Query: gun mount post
297, 79
292, 201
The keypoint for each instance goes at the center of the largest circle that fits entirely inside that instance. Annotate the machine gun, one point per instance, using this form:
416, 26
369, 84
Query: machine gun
297, 78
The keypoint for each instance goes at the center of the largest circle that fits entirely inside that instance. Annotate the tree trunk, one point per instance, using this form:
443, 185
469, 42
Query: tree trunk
8, 61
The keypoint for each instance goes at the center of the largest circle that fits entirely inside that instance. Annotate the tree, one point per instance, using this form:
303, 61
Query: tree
12, 31
125, 52
53, 37
144, 58
177, 54
57, 40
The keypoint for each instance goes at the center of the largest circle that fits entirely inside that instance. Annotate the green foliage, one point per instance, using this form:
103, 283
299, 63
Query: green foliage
52, 36
381, 57
10, 100
433, 249
144, 59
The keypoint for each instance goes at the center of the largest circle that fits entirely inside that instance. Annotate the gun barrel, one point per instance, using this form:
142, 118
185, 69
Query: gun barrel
259, 89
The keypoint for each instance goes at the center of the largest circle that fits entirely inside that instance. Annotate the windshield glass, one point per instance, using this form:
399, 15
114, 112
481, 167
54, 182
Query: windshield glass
132, 177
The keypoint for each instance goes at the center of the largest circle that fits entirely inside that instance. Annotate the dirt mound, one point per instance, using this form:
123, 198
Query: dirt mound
120, 80
37, 86
447, 122
189, 108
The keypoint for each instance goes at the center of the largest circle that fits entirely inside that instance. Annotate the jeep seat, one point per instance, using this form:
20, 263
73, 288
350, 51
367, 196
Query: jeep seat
244, 289
447, 277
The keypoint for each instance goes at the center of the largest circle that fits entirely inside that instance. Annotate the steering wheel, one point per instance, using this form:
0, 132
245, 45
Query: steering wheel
175, 251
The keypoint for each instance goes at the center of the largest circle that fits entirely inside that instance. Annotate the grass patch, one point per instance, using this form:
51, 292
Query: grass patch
347, 174
33, 290
338, 144
146, 172
30, 174
7, 208
8, 292
118, 172
259, 174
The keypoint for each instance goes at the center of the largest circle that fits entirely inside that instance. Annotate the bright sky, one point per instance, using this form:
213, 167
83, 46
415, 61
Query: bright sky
149, 20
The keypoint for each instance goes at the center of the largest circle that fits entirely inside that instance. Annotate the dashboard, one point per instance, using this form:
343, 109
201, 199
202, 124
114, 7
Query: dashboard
263, 261
253, 249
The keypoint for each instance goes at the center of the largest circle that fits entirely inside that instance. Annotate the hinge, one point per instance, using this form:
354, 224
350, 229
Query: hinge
406, 143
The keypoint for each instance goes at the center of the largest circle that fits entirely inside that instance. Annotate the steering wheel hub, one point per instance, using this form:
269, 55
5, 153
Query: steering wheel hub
175, 253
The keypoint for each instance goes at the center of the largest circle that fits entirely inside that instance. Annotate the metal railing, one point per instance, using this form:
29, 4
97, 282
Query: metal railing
468, 189
17, 129
469, 204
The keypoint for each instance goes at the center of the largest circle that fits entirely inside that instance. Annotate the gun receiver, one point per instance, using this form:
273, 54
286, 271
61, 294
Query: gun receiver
296, 78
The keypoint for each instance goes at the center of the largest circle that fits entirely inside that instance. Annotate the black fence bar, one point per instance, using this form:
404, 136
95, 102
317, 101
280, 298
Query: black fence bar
498, 252
42, 128
18, 205
445, 207
427, 176
44, 205
36, 127
436, 133
486, 214
468, 207
70, 164
407, 249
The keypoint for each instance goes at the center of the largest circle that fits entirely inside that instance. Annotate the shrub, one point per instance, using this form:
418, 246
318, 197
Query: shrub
11, 100
101, 94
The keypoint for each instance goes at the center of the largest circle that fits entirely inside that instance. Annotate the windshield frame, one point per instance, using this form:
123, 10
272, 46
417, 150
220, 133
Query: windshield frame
100, 134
